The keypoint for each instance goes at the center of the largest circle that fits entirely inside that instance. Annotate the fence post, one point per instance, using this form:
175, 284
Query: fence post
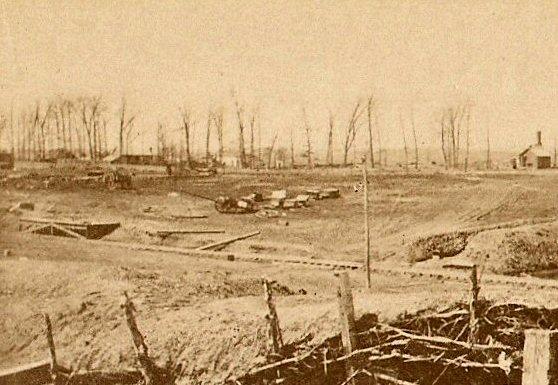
147, 366
52, 350
346, 319
539, 357
473, 306
273, 329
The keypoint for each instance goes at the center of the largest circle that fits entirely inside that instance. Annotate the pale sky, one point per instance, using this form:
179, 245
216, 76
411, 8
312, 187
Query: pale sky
282, 55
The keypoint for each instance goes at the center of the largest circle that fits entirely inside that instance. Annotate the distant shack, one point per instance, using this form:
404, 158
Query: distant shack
535, 156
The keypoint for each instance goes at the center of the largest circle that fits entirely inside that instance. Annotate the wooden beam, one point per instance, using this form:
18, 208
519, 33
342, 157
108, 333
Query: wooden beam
274, 331
473, 323
191, 231
219, 245
51, 348
539, 357
193, 216
32, 229
346, 319
68, 231
142, 354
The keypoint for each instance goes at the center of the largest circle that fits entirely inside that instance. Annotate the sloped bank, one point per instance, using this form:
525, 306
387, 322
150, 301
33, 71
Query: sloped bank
450, 244
525, 249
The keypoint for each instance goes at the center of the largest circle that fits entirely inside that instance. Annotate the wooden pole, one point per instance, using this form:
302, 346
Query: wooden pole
473, 306
346, 319
275, 338
366, 224
142, 354
52, 350
221, 244
539, 357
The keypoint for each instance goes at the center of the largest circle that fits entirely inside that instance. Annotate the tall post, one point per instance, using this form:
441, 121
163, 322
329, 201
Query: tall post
147, 366
473, 306
52, 350
366, 224
346, 319
274, 331
539, 357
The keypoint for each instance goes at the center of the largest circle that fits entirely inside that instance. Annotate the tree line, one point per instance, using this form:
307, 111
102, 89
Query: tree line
82, 127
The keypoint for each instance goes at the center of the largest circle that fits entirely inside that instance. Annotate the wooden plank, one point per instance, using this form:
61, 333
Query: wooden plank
193, 216
51, 348
32, 229
539, 357
80, 225
346, 319
220, 244
190, 231
473, 322
68, 231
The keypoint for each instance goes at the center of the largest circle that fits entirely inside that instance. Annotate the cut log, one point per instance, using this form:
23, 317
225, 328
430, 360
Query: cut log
193, 216
193, 231
219, 245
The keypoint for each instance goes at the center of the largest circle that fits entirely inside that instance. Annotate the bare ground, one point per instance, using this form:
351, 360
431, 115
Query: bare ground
208, 314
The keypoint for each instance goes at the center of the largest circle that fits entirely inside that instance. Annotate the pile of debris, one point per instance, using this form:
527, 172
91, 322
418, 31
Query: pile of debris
277, 200
428, 347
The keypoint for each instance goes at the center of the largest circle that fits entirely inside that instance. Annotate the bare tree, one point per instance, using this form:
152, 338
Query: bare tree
271, 149
369, 108
207, 138
187, 126
308, 132
451, 124
466, 166
329, 153
379, 140
415, 139
402, 125
443, 137
351, 131
241, 149
252, 149
292, 150
90, 110
126, 125
218, 121
488, 160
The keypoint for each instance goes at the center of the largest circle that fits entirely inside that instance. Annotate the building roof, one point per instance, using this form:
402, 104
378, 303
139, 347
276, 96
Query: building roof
537, 150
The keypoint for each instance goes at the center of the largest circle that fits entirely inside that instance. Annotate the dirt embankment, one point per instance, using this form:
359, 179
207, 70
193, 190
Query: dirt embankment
526, 249
510, 248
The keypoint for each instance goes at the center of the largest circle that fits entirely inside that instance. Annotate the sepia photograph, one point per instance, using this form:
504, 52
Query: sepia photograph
282, 192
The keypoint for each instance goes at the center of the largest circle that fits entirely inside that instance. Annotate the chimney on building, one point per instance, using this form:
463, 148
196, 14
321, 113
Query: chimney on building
539, 138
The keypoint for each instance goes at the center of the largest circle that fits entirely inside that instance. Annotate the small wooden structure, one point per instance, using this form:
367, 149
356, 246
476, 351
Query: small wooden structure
83, 230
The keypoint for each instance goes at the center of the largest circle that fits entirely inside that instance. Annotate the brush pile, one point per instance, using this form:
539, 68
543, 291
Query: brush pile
429, 347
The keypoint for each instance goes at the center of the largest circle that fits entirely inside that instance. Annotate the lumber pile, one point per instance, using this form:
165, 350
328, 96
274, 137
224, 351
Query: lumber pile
429, 347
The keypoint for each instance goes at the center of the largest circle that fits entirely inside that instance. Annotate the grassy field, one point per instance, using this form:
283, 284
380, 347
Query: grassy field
208, 313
